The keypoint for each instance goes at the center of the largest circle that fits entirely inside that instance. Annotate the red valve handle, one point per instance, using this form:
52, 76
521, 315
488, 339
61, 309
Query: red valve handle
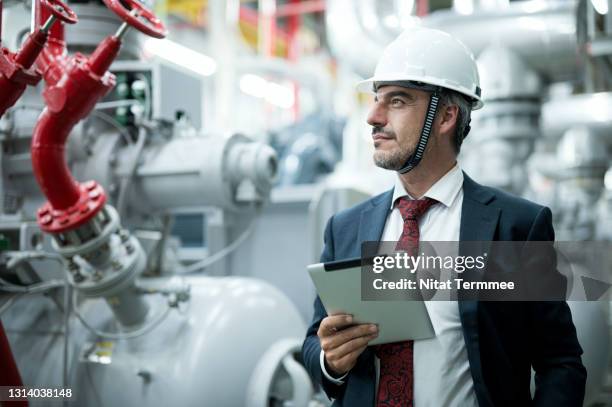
144, 20
60, 10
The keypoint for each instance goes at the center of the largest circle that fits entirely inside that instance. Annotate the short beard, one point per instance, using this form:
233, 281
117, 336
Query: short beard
390, 160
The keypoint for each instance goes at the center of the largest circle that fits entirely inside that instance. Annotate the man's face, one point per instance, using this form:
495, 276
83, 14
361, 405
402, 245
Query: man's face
397, 119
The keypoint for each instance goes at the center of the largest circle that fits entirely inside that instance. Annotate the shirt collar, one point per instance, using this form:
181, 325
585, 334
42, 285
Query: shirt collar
445, 190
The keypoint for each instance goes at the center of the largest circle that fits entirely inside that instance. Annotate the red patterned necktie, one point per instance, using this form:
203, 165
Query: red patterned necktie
395, 387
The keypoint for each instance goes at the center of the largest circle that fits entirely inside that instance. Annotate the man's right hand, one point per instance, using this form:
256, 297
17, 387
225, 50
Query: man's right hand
343, 343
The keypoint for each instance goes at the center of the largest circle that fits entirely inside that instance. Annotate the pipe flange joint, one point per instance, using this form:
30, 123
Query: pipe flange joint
111, 226
91, 201
114, 280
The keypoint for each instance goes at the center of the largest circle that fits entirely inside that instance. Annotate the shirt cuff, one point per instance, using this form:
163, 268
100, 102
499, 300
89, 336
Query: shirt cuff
335, 380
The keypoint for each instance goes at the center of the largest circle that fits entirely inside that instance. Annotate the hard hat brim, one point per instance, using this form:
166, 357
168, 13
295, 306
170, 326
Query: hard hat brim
367, 86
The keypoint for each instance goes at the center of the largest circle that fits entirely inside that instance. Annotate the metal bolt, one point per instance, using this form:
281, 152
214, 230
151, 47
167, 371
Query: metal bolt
129, 248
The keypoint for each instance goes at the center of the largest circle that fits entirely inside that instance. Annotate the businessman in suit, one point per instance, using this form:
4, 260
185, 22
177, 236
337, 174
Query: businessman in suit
426, 84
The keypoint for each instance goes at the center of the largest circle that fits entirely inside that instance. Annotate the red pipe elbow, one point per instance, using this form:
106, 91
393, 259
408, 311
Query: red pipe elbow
69, 99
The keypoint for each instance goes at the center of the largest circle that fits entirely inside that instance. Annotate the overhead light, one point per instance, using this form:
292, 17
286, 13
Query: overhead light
274, 93
253, 85
464, 7
181, 55
280, 95
601, 6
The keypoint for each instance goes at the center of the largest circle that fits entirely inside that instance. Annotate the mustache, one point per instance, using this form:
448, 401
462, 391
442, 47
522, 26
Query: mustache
379, 129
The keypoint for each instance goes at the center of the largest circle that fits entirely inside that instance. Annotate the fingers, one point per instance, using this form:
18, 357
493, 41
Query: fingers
348, 361
330, 342
333, 323
351, 346
342, 359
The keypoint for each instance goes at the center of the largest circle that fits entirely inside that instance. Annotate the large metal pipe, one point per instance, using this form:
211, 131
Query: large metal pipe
230, 173
537, 32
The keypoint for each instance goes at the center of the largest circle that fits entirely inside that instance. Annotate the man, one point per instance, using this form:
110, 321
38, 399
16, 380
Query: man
426, 84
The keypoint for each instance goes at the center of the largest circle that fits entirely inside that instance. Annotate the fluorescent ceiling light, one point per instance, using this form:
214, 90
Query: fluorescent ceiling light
464, 7
181, 55
274, 93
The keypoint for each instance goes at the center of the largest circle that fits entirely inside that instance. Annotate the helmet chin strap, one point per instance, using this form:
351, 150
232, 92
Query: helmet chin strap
416, 157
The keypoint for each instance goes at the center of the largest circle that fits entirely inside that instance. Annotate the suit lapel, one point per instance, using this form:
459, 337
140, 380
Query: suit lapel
478, 224
372, 222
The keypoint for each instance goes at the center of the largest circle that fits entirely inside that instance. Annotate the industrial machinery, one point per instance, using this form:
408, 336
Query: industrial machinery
121, 320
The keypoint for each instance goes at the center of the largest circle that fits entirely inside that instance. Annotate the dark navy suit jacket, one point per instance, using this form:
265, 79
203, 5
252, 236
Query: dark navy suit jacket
504, 340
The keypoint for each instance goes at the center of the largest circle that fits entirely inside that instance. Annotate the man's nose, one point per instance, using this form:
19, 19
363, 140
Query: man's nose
377, 116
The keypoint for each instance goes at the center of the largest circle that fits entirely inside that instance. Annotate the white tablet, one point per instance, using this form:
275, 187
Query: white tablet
338, 284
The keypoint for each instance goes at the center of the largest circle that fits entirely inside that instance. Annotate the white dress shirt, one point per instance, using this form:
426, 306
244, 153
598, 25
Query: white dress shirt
441, 368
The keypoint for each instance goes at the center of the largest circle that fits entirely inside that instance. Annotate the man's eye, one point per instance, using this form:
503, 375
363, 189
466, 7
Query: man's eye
397, 102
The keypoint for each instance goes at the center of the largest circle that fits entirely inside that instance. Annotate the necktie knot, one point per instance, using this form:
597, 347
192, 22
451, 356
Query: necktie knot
413, 209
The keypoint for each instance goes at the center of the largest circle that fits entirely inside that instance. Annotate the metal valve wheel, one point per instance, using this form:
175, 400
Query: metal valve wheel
60, 10
138, 16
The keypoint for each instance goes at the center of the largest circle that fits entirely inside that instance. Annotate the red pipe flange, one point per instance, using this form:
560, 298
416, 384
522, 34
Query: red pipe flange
91, 200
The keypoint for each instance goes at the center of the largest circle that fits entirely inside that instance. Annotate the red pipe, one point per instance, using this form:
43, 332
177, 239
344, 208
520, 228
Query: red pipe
69, 99
9, 373
53, 59
422, 8
301, 7
15, 72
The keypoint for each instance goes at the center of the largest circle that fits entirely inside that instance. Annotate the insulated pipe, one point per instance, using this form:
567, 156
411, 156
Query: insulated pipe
537, 32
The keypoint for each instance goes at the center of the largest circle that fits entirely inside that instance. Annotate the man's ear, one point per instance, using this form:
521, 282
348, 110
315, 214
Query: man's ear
448, 118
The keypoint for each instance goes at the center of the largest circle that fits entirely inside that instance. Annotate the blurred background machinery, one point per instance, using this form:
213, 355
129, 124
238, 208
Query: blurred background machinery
208, 163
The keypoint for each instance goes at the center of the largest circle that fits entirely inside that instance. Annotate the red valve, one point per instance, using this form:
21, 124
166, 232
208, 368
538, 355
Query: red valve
138, 16
74, 85
61, 11
15, 72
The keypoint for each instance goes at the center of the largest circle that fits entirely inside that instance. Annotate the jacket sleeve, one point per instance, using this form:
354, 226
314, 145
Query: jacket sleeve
560, 376
311, 349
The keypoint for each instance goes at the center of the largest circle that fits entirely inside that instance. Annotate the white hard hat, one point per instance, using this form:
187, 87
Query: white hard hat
431, 57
